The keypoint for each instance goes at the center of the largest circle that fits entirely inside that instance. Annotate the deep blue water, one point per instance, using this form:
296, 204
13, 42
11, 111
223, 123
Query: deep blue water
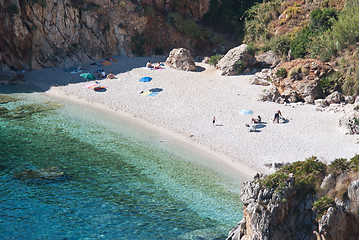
125, 182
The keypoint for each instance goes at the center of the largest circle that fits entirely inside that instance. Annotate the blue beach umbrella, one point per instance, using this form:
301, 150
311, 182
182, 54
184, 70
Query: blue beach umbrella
246, 111
146, 79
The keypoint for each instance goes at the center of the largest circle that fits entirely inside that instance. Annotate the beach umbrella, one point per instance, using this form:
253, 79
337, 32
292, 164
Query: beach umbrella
246, 111
88, 76
146, 79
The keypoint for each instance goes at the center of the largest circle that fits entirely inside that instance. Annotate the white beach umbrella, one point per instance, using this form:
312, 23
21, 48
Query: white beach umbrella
246, 111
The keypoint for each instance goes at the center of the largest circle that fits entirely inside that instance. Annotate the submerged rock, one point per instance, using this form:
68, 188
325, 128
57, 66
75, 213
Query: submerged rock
7, 99
51, 173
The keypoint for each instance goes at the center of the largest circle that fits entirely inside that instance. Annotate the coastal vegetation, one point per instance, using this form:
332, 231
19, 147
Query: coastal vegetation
214, 59
331, 34
309, 176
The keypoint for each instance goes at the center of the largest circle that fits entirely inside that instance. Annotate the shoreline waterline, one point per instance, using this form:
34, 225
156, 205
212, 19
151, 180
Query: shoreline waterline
123, 181
187, 102
243, 170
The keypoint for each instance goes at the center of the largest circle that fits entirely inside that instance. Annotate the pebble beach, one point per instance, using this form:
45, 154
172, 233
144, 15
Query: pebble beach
186, 102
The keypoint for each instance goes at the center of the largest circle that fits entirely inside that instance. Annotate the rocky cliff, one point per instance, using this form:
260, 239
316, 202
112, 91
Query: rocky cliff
302, 201
38, 33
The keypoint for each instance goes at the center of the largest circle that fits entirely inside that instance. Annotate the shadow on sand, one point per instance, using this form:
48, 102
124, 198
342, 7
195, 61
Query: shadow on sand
42, 80
199, 69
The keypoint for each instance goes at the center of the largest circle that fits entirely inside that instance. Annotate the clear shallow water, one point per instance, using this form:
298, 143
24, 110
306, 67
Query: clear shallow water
126, 182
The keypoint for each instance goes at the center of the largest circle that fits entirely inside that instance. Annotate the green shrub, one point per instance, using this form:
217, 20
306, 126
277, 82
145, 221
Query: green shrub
294, 71
179, 3
119, 3
92, 7
275, 180
239, 66
339, 165
215, 39
257, 19
77, 3
344, 32
280, 45
12, 9
331, 82
138, 41
322, 205
251, 49
149, 12
354, 163
300, 44
41, 2
308, 175
189, 27
213, 60
321, 20
281, 73
228, 15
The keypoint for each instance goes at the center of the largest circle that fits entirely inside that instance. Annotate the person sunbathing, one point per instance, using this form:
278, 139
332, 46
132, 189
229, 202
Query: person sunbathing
257, 120
110, 76
149, 64
158, 65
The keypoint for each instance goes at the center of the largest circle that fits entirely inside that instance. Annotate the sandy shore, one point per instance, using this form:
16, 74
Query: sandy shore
187, 101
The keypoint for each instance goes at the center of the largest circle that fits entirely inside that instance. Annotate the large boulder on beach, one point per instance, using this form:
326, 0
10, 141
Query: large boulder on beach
180, 58
334, 97
301, 81
349, 123
262, 78
268, 60
236, 61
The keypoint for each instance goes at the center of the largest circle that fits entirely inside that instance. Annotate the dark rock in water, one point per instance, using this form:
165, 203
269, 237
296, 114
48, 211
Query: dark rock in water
52, 174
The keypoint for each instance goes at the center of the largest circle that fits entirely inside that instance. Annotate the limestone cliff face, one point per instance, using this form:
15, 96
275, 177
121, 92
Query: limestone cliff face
288, 214
193, 9
37, 34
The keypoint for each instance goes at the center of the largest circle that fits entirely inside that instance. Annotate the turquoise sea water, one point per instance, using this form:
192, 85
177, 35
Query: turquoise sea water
125, 182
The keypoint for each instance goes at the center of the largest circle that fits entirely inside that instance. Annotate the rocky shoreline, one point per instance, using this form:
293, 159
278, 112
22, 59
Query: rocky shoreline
326, 208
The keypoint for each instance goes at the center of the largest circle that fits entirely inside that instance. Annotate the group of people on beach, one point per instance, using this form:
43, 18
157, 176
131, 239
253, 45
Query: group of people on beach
158, 65
102, 74
277, 116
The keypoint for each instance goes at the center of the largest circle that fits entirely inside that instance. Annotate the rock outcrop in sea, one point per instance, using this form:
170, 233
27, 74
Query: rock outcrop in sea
303, 200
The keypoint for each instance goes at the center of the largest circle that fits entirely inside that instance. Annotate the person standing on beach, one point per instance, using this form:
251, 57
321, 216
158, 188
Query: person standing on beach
214, 120
277, 115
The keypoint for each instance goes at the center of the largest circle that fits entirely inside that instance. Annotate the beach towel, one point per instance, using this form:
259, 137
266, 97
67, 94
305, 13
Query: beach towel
146, 93
106, 63
153, 94
91, 85
99, 88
